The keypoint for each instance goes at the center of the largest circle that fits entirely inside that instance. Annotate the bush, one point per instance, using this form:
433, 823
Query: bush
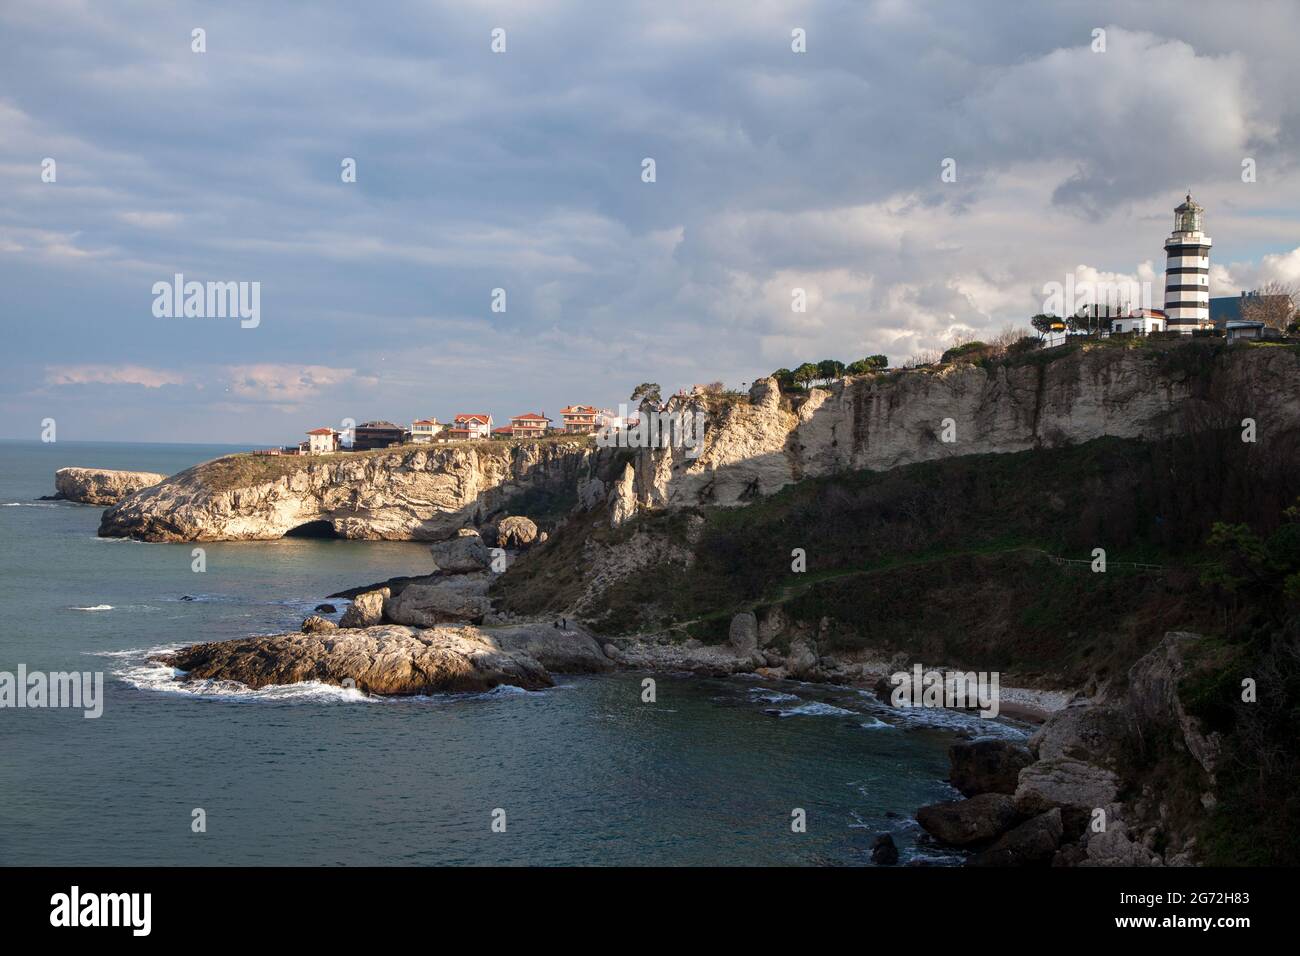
969, 351
1029, 343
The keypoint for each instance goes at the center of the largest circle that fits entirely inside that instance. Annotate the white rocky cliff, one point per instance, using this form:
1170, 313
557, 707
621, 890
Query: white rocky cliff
882, 421
405, 494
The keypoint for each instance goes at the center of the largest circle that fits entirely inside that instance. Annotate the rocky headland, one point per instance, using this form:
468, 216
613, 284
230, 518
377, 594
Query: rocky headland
410, 493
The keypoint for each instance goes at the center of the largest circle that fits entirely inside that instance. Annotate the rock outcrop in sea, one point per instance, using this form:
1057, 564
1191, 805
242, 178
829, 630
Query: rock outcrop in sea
396, 660
101, 486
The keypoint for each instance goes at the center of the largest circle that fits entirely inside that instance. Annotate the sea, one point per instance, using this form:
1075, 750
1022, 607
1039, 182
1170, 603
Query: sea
736, 772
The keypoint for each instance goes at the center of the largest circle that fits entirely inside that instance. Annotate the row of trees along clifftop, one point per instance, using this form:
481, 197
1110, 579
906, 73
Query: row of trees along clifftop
827, 370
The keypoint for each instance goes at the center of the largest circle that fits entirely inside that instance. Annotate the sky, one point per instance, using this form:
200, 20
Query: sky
524, 171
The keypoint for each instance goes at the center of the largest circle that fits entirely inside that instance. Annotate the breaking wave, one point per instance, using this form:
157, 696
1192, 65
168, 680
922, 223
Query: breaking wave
817, 709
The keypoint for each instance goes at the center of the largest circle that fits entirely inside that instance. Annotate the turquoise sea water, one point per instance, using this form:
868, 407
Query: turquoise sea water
585, 772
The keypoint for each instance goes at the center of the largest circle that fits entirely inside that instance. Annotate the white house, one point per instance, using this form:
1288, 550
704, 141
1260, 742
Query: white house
474, 426
1141, 321
321, 441
424, 429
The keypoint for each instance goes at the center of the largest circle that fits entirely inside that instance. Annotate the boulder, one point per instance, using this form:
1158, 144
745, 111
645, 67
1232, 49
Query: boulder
1077, 788
367, 609
516, 531
1115, 846
571, 651
967, 822
884, 852
462, 554
1083, 730
986, 766
441, 600
318, 625
801, 662
377, 660
743, 633
1070, 854
325, 609
1033, 843
101, 486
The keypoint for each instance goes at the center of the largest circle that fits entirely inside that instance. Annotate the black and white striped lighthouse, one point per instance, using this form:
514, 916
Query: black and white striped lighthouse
1187, 273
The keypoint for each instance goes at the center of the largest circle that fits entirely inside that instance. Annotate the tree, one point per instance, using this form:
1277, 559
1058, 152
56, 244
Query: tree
1273, 303
872, 363
1240, 556
647, 393
1264, 568
806, 374
1004, 339
1043, 322
828, 369
969, 351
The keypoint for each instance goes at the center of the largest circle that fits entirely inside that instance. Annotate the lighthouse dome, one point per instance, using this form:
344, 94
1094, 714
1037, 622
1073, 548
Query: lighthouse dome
1188, 215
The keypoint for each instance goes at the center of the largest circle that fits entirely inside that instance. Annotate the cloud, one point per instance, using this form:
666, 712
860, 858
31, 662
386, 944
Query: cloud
111, 375
1279, 267
150, 220
286, 385
522, 171
1147, 114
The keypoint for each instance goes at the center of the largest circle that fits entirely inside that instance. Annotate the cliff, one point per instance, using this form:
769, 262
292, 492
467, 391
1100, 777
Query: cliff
881, 421
751, 449
100, 486
960, 548
402, 494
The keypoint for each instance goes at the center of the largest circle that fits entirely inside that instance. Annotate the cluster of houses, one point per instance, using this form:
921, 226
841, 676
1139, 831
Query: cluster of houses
467, 426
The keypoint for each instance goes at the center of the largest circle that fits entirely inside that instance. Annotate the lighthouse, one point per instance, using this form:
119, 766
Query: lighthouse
1187, 273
